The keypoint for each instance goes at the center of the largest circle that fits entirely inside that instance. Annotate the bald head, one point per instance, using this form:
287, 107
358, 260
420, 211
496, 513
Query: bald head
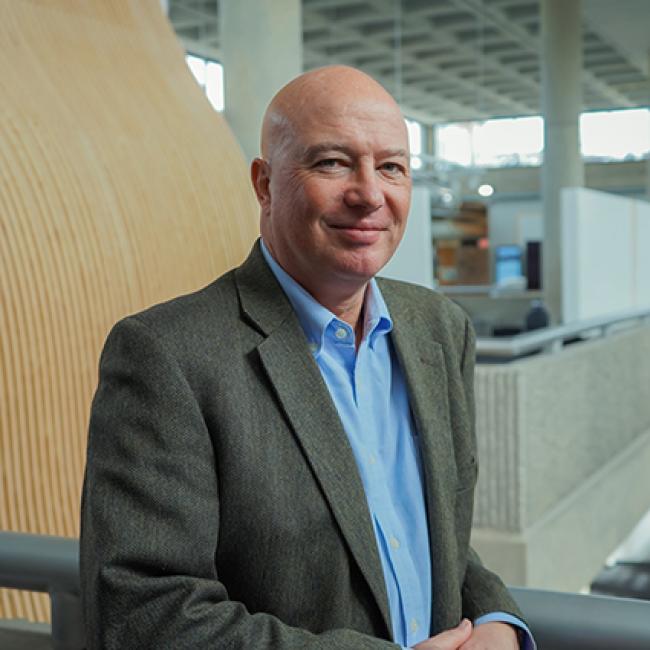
315, 94
333, 183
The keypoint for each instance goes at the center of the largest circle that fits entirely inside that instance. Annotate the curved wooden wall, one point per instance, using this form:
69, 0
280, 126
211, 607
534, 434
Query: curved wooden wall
119, 187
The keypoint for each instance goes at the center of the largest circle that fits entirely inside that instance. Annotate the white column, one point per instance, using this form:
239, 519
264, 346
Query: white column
429, 139
647, 163
413, 259
561, 101
261, 45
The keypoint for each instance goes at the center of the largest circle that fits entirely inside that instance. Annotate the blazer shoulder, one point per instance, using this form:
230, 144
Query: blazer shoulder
191, 317
428, 303
433, 317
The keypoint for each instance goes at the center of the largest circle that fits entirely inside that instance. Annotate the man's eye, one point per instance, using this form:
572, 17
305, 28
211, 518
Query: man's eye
328, 163
392, 168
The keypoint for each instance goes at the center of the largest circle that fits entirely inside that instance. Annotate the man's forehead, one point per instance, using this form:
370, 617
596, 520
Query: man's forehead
367, 115
345, 105
342, 130
314, 108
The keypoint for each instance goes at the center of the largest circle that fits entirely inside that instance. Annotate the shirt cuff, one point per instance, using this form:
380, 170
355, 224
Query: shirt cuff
526, 641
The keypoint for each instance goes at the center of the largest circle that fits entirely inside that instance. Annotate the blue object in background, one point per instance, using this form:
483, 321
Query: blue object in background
507, 262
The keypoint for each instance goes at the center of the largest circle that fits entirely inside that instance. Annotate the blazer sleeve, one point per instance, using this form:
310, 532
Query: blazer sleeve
483, 592
150, 517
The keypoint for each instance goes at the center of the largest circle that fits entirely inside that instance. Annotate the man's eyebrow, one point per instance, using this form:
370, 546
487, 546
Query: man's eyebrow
315, 150
394, 153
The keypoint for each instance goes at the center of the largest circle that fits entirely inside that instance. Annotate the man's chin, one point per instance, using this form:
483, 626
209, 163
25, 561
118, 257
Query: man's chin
361, 268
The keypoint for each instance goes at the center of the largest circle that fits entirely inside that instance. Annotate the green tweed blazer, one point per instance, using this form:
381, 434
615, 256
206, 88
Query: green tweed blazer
222, 506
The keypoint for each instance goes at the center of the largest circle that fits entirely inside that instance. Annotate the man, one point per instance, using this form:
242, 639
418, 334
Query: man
286, 459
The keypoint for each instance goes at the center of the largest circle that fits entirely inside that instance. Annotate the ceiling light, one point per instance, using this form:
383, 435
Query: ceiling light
447, 197
486, 190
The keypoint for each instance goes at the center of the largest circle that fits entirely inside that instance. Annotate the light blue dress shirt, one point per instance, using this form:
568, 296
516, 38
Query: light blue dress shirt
369, 391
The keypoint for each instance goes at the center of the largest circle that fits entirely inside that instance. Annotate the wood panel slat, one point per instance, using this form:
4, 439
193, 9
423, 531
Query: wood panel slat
120, 187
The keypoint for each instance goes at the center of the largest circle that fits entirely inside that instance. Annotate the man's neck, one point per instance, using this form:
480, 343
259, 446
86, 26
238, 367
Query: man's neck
342, 296
345, 305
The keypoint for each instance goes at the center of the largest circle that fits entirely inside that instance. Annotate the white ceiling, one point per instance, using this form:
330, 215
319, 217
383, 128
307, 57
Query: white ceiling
457, 59
627, 25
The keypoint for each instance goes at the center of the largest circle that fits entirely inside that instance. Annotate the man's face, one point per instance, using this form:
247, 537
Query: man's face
338, 193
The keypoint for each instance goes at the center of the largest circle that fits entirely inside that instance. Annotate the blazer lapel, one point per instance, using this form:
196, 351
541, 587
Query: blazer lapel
422, 360
312, 415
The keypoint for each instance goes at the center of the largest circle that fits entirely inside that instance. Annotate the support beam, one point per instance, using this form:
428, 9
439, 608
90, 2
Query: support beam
561, 101
647, 162
261, 45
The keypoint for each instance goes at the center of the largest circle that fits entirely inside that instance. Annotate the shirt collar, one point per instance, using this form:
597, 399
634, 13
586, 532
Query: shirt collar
315, 319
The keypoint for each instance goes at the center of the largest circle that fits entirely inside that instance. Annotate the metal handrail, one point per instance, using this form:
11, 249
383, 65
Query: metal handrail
559, 621
51, 565
39, 562
551, 339
562, 621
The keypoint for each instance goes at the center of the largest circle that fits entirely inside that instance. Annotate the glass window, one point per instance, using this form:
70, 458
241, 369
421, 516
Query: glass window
197, 66
615, 135
493, 143
508, 142
209, 75
454, 143
415, 137
414, 130
214, 84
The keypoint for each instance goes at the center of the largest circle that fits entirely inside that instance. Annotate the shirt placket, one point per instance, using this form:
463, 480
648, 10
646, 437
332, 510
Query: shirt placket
372, 421
381, 500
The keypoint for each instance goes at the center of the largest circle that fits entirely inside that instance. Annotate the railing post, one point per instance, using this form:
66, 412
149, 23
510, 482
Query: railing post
67, 621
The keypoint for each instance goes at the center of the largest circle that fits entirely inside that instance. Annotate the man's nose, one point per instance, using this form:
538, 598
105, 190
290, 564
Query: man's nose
364, 190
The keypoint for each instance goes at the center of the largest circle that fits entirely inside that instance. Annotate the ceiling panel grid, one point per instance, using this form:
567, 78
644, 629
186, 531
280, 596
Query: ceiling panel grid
449, 60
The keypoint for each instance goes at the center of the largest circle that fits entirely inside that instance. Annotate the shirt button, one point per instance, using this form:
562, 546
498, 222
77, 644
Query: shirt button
341, 333
313, 347
414, 626
372, 459
394, 542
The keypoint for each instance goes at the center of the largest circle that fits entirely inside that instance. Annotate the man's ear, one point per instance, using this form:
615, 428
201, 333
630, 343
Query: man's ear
261, 177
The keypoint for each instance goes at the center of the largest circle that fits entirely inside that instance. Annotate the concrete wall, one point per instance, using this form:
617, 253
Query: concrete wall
629, 178
515, 222
564, 449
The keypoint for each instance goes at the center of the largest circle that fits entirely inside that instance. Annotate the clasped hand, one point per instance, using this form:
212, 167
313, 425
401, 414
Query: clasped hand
488, 636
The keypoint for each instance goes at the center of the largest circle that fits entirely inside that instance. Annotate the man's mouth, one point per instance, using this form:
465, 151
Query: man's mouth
361, 234
360, 227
